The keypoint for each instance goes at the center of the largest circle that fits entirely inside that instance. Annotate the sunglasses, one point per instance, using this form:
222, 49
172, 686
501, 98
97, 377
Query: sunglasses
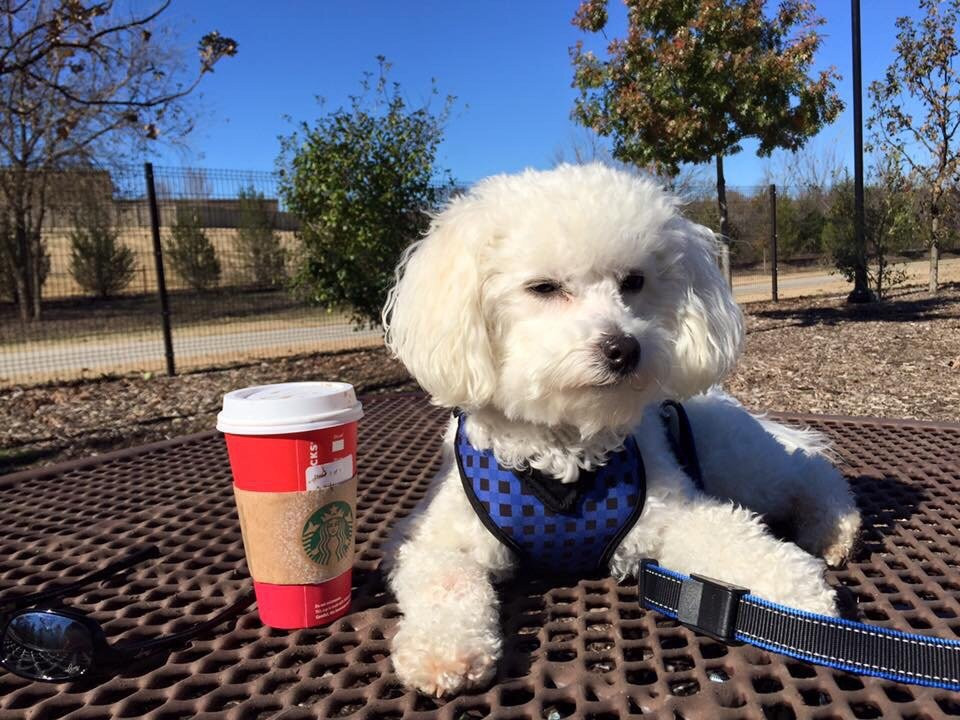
56, 644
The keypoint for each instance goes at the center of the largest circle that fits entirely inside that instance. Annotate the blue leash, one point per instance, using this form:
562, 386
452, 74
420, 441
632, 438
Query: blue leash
731, 614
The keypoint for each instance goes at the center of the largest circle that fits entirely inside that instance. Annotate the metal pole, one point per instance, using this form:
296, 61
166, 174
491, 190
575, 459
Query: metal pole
773, 243
724, 224
158, 263
861, 291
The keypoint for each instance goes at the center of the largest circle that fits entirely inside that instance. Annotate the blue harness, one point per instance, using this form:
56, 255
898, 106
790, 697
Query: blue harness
569, 528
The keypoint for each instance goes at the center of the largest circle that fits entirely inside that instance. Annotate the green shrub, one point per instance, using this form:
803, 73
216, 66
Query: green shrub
800, 223
889, 226
264, 258
361, 180
99, 262
191, 253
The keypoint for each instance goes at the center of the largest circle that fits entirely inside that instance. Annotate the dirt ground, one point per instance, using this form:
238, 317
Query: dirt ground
899, 358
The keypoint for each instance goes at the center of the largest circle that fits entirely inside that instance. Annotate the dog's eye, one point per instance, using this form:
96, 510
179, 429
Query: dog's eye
632, 283
545, 287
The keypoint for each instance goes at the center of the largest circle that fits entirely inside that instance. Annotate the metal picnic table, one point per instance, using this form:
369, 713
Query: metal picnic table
582, 651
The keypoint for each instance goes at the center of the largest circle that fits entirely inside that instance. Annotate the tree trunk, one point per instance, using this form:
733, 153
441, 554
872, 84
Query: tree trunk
37, 272
724, 223
41, 260
881, 269
21, 295
934, 267
934, 283
22, 274
29, 260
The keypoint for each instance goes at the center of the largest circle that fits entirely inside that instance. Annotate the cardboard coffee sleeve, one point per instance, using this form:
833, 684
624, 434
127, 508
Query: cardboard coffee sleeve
298, 538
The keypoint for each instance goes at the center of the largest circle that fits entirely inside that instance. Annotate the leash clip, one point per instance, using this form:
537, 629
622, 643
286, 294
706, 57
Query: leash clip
710, 607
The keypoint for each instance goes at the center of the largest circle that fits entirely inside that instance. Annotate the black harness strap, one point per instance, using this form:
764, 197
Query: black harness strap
680, 435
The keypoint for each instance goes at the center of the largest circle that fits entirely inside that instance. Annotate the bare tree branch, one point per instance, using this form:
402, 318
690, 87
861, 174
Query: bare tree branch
45, 46
148, 102
76, 80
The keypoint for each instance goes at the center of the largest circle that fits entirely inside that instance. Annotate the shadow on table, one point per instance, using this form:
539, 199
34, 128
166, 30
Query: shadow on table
885, 502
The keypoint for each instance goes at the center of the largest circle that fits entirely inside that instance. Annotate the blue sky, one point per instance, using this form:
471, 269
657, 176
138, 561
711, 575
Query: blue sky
507, 63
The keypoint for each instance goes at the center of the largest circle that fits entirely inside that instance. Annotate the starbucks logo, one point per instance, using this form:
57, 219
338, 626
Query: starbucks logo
328, 533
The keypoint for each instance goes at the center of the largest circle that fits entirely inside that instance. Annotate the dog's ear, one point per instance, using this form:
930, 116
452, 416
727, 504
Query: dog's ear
433, 318
709, 321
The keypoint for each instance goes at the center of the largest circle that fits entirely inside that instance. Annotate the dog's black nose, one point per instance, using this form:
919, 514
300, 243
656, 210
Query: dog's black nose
622, 352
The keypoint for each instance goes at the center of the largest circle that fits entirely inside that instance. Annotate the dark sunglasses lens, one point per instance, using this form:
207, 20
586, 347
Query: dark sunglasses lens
46, 646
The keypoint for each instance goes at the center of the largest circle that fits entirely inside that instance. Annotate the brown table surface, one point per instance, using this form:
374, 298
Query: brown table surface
585, 650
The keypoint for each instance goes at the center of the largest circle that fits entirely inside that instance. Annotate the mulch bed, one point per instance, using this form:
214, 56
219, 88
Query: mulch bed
899, 358
50, 423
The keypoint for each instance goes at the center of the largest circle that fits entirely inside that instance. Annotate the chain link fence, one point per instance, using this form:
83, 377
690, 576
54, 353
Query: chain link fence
141, 269
754, 250
778, 249
86, 243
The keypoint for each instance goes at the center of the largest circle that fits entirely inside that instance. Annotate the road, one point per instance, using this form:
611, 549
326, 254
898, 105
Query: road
193, 347
209, 345
753, 287
812, 282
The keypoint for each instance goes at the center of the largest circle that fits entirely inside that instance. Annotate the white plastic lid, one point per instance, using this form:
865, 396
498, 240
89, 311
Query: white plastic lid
288, 408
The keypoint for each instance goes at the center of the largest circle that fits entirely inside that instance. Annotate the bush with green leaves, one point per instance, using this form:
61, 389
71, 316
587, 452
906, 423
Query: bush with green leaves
99, 262
890, 224
361, 180
192, 255
263, 257
800, 222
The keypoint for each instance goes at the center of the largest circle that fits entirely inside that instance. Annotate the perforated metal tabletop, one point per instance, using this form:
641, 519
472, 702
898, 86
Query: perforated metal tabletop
585, 650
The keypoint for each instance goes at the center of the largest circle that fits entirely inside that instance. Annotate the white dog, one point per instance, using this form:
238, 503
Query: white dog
557, 310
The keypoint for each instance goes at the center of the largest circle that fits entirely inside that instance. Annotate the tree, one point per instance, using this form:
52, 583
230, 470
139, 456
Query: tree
889, 225
8, 276
923, 77
694, 78
79, 80
586, 146
263, 257
800, 220
192, 255
361, 181
99, 262
806, 179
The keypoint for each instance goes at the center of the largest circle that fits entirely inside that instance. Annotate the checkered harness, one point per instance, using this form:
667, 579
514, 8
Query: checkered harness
566, 529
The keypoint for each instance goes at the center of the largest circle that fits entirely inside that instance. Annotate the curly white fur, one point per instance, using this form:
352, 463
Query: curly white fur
527, 366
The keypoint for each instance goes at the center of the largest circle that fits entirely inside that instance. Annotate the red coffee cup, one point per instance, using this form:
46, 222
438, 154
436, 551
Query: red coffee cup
292, 451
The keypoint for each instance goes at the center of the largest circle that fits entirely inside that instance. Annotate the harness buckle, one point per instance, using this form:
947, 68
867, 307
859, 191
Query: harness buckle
710, 606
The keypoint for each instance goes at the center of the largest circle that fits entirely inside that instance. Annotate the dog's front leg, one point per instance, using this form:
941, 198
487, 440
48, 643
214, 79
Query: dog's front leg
777, 471
725, 542
449, 637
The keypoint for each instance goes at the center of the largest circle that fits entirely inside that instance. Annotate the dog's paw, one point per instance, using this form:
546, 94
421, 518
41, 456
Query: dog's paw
438, 665
835, 540
846, 534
